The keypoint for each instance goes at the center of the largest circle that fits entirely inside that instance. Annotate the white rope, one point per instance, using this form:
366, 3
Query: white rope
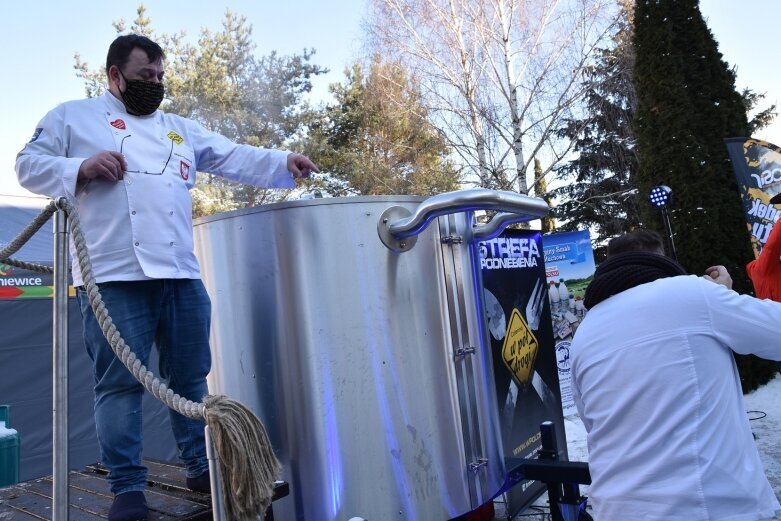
150, 382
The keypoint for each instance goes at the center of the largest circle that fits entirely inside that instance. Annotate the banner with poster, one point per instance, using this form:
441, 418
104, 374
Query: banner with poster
757, 166
519, 327
569, 267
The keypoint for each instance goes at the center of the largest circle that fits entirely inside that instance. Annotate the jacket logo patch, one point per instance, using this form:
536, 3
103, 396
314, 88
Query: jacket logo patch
176, 138
184, 170
36, 134
118, 123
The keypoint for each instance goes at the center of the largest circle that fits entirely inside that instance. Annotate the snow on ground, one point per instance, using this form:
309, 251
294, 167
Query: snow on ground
764, 404
763, 407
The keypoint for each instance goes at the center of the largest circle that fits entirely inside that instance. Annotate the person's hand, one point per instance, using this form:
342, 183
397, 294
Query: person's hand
719, 275
108, 164
300, 166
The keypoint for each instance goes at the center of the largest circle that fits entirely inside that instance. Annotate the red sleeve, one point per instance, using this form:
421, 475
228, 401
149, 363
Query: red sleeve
769, 256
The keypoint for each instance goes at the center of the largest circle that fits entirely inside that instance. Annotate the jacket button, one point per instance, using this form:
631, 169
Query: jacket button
136, 243
133, 212
172, 243
170, 213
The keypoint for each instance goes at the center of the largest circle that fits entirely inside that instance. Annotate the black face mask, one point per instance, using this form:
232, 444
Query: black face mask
141, 97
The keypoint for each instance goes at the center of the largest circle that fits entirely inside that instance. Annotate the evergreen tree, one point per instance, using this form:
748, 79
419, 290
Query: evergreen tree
687, 105
601, 195
377, 139
762, 118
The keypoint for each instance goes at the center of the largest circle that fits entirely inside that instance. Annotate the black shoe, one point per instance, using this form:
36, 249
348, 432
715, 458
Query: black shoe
200, 483
130, 506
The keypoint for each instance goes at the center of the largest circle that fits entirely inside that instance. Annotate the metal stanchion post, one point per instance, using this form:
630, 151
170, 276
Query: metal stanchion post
549, 451
561, 496
218, 507
60, 370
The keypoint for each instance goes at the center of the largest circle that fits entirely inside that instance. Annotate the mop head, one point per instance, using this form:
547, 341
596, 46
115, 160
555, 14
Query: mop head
248, 465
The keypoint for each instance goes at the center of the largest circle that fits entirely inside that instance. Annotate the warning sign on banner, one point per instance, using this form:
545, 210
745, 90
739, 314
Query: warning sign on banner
520, 349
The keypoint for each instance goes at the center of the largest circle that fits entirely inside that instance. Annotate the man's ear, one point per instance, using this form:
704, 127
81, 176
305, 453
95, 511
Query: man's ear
113, 75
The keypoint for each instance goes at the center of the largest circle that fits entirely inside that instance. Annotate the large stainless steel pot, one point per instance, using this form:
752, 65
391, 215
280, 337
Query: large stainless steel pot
352, 327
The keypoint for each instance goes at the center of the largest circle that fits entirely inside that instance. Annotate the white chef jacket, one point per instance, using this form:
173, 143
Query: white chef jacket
140, 227
658, 391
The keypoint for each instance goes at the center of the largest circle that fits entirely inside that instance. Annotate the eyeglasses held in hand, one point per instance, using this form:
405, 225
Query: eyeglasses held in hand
170, 153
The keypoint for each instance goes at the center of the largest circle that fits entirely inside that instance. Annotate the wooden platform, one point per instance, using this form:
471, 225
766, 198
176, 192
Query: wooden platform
90, 498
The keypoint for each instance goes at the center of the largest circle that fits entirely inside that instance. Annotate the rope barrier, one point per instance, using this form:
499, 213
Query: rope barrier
24, 236
248, 464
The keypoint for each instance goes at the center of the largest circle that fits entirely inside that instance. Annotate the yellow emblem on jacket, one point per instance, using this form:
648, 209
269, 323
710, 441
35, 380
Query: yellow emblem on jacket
176, 138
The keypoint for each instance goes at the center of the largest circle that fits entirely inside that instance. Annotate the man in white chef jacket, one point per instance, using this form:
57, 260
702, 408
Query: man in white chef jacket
655, 383
128, 167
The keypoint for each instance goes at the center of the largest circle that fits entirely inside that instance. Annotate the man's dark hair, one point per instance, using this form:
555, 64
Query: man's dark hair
638, 240
120, 49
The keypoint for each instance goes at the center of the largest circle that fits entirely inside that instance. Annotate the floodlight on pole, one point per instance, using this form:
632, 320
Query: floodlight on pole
659, 197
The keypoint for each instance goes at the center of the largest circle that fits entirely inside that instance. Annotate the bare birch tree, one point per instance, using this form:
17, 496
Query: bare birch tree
499, 75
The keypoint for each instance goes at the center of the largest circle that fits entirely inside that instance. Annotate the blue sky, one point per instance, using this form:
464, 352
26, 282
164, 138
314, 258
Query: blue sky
40, 39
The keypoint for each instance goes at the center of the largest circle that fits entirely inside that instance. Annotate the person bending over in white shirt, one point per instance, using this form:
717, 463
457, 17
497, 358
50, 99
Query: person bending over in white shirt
656, 385
128, 167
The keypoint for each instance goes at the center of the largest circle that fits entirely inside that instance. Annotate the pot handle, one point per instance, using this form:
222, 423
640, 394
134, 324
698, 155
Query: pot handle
398, 228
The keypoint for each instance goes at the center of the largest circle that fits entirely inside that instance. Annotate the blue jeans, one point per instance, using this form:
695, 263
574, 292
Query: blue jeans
175, 314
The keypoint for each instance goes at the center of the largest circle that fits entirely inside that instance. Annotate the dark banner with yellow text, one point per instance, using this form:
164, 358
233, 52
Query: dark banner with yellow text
757, 166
